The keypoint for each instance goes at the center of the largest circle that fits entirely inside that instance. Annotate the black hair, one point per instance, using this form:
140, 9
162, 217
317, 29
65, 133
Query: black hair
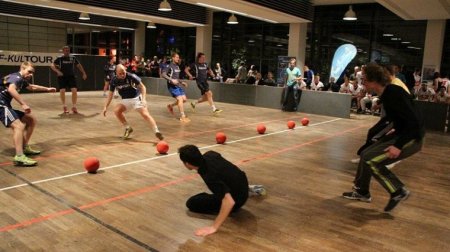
377, 73
200, 54
191, 154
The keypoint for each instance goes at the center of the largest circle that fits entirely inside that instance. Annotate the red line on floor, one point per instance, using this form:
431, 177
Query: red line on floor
162, 185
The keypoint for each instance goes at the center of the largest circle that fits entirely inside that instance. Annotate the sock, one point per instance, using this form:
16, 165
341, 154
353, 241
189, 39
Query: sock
213, 107
156, 129
127, 126
182, 114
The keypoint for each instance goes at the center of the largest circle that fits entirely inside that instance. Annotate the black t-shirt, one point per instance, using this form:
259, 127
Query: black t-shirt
400, 110
127, 87
172, 71
221, 176
16, 79
201, 71
66, 64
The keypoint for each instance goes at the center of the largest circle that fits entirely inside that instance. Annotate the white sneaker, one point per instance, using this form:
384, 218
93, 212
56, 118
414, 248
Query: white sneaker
390, 166
355, 160
257, 190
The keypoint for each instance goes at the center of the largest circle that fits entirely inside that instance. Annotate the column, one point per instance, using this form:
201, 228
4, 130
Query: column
139, 39
297, 42
434, 43
203, 37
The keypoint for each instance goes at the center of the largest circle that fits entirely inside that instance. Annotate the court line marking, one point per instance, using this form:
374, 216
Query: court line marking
159, 185
162, 156
63, 154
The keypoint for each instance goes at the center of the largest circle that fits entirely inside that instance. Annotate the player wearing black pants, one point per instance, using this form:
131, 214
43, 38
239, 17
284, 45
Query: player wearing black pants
405, 141
202, 70
227, 182
64, 67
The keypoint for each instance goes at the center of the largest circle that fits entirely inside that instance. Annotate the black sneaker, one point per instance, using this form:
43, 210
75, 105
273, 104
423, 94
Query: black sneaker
356, 196
159, 135
393, 202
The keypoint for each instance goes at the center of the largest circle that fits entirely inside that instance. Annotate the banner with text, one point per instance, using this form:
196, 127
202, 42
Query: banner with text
12, 58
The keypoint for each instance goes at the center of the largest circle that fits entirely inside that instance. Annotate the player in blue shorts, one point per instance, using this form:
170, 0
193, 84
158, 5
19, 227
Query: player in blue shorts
22, 123
172, 74
133, 93
201, 76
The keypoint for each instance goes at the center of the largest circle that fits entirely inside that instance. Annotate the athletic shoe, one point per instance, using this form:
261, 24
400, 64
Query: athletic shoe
170, 109
356, 196
184, 119
193, 106
355, 160
29, 151
257, 190
217, 111
393, 202
74, 110
159, 135
390, 166
128, 132
23, 160
66, 111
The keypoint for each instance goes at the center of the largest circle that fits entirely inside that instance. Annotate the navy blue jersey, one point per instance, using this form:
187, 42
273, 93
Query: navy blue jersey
66, 64
14, 78
201, 71
110, 71
127, 87
173, 71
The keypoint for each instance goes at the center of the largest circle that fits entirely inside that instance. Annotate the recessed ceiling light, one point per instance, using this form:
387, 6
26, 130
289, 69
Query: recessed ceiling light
406, 42
388, 35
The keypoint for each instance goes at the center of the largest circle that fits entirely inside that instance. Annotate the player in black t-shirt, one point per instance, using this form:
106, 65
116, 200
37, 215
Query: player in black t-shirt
133, 92
226, 181
405, 141
202, 70
22, 123
64, 67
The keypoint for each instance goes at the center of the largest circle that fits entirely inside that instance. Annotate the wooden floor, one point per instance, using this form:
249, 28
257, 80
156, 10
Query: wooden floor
137, 201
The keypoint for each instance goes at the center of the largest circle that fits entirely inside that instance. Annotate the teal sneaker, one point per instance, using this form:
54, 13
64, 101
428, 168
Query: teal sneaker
23, 160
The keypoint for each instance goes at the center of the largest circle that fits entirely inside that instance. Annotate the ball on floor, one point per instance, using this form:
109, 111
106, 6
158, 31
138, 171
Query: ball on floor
291, 124
162, 147
91, 164
221, 137
261, 128
305, 121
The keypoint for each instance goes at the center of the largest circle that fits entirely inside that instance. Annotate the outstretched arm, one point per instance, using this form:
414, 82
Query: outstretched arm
225, 209
108, 101
34, 87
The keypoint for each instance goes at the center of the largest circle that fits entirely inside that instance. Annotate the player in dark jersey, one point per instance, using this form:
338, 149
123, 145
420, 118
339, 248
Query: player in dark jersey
22, 123
133, 92
202, 70
172, 74
110, 72
64, 67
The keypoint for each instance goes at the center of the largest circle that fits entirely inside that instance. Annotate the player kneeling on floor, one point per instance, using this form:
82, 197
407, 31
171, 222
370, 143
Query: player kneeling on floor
229, 186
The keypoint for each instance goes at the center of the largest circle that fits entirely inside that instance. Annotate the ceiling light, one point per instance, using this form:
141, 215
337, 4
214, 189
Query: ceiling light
232, 19
350, 14
84, 16
388, 35
251, 41
151, 25
164, 6
406, 42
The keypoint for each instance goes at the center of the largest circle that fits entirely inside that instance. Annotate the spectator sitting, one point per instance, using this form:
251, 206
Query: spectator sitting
425, 93
258, 79
345, 87
442, 96
269, 81
317, 85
